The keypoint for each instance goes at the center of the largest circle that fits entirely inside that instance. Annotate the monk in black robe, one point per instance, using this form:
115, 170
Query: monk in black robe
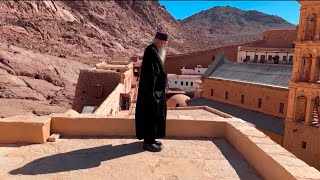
151, 108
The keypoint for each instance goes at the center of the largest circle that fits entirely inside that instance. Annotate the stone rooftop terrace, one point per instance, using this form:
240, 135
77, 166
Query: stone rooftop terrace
110, 158
124, 159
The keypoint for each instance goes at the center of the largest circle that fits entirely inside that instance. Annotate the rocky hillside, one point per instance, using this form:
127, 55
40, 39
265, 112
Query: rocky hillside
233, 24
44, 44
84, 30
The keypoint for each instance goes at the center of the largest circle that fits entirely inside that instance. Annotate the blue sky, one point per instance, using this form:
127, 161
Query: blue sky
288, 10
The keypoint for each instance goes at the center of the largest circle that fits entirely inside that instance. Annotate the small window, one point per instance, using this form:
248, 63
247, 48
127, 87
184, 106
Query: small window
176, 82
118, 70
304, 145
191, 83
255, 57
263, 57
177, 105
226, 95
284, 58
211, 92
247, 57
187, 83
291, 58
270, 57
242, 99
181, 83
198, 71
260, 103
281, 108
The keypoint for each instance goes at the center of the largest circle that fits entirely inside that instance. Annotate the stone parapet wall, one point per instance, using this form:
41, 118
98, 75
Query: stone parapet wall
269, 159
24, 129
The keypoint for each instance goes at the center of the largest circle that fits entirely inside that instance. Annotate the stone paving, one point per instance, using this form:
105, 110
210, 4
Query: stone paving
124, 159
192, 114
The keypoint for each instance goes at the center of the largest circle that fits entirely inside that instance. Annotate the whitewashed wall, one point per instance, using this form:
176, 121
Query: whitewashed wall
182, 82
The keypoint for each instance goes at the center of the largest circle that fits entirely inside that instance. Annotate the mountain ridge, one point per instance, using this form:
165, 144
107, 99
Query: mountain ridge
44, 44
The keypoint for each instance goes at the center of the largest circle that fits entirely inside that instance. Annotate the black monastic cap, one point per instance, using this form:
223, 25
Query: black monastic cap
162, 36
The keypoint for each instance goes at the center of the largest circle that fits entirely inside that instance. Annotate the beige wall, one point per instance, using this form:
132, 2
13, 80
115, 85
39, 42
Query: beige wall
24, 129
174, 63
197, 94
275, 137
271, 97
275, 164
111, 105
295, 135
127, 79
93, 87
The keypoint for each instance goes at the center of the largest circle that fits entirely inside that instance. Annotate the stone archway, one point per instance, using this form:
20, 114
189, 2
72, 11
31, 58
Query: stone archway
300, 109
311, 25
305, 68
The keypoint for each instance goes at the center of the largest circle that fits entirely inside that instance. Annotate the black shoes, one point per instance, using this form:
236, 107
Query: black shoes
158, 143
155, 147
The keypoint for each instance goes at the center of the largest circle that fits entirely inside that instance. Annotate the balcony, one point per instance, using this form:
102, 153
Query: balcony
305, 81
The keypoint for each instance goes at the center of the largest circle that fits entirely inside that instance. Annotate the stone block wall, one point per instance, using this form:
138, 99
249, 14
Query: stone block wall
304, 142
93, 87
174, 63
271, 96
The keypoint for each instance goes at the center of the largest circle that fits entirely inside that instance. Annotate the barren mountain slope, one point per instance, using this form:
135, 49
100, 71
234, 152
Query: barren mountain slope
44, 44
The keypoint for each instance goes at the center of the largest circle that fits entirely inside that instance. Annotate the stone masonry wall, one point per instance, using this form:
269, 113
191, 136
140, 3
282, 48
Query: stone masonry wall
111, 105
303, 141
271, 97
93, 87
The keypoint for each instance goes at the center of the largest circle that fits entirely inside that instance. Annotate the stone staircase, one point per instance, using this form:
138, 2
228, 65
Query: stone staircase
315, 117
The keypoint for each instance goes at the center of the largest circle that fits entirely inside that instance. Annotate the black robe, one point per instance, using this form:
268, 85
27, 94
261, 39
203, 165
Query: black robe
151, 107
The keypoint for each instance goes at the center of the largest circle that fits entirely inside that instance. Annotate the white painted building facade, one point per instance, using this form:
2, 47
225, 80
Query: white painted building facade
265, 55
199, 70
182, 82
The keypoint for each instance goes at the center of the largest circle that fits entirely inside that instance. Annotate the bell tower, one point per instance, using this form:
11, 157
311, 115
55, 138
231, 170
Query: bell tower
302, 133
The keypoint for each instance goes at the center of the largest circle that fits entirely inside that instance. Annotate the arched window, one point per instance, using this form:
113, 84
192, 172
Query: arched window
311, 25
300, 108
305, 68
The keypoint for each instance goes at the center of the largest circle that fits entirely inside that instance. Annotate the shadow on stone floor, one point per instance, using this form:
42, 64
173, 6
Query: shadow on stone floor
79, 159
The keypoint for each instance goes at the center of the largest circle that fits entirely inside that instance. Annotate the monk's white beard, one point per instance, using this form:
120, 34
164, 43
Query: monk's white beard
162, 54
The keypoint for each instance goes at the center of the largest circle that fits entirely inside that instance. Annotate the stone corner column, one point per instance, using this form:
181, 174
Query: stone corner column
309, 112
313, 75
291, 105
296, 65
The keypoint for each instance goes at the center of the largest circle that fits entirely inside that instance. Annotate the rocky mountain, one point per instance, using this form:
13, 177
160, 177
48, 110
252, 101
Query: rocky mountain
44, 44
233, 24
84, 30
